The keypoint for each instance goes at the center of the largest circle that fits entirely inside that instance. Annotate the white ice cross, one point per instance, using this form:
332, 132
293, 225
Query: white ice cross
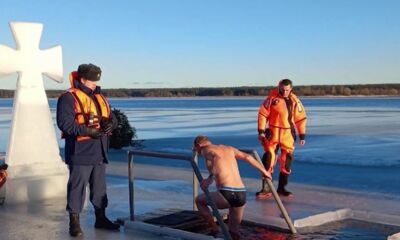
32, 126
27, 59
36, 170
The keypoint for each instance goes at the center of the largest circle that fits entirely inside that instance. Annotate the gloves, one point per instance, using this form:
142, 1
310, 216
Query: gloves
93, 132
261, 138
268, 134
107, 125
264, 136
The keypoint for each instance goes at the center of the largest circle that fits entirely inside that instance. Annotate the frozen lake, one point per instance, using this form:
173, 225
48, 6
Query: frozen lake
354, 138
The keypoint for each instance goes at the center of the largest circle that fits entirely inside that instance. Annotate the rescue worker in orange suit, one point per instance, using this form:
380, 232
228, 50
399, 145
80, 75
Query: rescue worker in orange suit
280, 117
86, 121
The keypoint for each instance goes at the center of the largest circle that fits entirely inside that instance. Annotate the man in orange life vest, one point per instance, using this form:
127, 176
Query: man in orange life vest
280, 117
85, 119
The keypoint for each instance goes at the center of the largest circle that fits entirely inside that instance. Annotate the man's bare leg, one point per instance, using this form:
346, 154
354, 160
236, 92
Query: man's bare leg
205, 212
235, 218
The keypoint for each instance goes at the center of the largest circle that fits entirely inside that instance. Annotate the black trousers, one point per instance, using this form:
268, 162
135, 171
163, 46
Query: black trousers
79, 177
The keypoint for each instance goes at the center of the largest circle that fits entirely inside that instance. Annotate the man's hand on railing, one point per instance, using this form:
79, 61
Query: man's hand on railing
206, 182
267, 175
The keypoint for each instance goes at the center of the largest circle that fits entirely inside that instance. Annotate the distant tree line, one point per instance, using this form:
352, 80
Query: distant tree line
314, 90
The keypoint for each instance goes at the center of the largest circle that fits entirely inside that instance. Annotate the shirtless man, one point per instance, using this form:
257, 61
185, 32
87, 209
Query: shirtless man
221, 162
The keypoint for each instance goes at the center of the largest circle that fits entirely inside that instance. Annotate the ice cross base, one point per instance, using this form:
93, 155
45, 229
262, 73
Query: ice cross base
36, 170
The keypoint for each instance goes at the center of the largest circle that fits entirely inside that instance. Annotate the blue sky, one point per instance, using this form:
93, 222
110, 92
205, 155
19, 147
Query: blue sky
160, 43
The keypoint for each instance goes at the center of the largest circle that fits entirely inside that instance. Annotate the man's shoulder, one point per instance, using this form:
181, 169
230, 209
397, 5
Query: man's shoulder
294, 97
216, 149
66, 96
273, 93
221, 146
228, 148
66, 93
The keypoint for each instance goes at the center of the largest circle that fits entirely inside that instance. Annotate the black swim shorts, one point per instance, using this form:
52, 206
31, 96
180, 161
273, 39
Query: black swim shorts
236, 197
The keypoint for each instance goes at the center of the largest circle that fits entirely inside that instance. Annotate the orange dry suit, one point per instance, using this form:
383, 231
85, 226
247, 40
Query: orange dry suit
85, 108
285, 117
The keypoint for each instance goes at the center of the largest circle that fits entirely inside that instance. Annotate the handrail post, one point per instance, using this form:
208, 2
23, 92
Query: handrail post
195, 185
210, 202
131, 187
277, 199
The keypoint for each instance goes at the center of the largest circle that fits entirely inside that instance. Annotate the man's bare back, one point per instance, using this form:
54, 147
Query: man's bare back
221, 162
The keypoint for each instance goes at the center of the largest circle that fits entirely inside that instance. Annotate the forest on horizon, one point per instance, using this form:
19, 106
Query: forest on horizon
313, 90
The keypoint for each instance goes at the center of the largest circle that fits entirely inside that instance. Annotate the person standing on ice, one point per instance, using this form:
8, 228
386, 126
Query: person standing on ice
280, 117
86, 121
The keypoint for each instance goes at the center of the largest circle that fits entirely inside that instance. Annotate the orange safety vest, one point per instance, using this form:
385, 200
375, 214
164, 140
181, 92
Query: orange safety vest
85, 107
275, 112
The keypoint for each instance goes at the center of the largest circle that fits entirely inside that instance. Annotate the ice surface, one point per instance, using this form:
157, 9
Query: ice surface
351, 143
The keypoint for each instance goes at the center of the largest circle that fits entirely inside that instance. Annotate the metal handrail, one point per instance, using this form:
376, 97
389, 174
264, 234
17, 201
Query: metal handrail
197, 173
131, 173
275, 194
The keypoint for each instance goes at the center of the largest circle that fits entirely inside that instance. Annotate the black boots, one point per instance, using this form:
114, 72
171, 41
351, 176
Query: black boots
283, 181
103, 222
265, 192
74, 226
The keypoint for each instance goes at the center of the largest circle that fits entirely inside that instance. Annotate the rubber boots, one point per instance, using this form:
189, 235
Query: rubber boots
283, 181
103, 222
265, 192
74, 225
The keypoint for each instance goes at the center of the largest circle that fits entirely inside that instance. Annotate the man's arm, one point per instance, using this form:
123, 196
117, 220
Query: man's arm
300, 119
263, 113
252, 161
66, 116
209, 180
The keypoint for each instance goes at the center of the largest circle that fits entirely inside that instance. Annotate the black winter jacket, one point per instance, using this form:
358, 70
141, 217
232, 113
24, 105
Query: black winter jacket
86, 152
